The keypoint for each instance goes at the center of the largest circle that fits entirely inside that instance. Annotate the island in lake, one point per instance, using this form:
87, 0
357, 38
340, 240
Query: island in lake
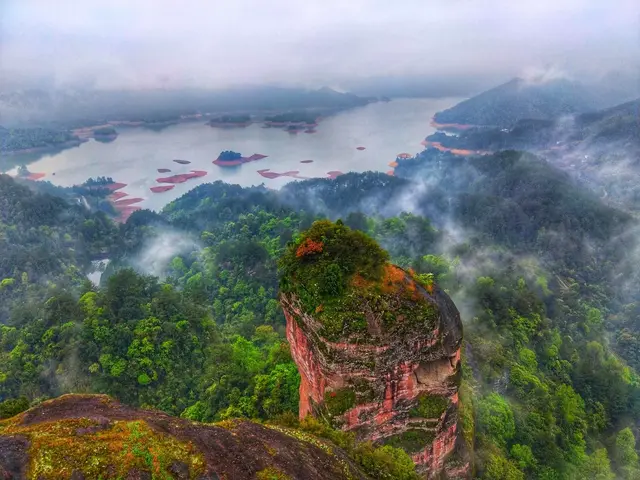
181, 177
162, 188
105, 134
230, 121
266, 173
293, 122
229, 158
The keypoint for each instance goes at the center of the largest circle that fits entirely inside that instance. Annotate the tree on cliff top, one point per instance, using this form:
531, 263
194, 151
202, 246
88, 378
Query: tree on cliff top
327, 256
344, 278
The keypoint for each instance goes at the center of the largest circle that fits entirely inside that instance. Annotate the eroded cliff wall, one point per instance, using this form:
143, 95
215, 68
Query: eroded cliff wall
387, 367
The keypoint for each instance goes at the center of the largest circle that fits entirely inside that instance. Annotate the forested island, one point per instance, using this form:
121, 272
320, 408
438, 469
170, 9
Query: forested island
229, 158
105, 134
230, 121
301, 118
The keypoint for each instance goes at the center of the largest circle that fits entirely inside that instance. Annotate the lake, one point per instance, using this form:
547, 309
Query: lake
385, 129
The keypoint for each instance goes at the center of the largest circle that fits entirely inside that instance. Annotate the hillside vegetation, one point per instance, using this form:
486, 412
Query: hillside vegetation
541, 270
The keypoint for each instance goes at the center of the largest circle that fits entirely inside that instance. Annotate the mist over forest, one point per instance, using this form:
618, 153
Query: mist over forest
470, 311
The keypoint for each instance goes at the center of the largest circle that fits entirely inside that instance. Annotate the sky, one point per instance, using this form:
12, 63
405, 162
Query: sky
221, 43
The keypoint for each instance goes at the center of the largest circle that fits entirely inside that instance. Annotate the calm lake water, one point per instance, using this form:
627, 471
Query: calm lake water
385, 129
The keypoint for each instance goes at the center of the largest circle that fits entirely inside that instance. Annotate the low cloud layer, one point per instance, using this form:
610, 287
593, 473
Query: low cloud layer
215, 43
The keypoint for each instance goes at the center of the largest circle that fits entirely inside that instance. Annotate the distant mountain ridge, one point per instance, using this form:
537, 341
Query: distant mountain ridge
518, 99
620, 124
72, 108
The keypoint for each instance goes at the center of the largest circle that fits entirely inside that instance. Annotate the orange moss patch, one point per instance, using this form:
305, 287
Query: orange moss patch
308, 247
392, 278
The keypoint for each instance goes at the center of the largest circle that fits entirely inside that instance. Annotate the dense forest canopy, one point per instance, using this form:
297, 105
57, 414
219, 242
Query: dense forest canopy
17, 139
539, 268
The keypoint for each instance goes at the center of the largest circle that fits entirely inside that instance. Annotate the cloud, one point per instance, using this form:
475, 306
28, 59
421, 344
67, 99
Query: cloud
156, 254
215, 43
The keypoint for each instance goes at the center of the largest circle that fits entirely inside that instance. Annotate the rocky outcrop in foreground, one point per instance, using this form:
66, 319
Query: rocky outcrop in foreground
377, 348
93, 436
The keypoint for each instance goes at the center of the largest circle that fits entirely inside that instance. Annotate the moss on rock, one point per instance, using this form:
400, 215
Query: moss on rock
58, 449
345, 280
429, 406
339, 401
411, 441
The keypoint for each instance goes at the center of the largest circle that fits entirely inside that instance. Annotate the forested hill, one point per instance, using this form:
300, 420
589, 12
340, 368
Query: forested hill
76, 108
601, 148
43, 235
588, 131
518, 99
541, 271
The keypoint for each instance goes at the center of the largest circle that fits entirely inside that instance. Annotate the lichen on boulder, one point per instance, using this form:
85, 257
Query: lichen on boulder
377, 347
90, 437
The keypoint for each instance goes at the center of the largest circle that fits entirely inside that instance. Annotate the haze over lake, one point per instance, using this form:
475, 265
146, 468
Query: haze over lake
385, 129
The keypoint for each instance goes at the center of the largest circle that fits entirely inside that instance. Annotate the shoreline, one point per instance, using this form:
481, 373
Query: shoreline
456, 151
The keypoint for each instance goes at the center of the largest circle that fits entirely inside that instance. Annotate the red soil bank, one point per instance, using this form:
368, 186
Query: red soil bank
117, 195
125, 212
164, 170
292, 173
391, 173
239, 161
35, 176
455, 126
128, 201
182, 162
334, 173
393, 164
228, 163
360, 148
181, 177
114, 186
455, 151
306, 161
162, 188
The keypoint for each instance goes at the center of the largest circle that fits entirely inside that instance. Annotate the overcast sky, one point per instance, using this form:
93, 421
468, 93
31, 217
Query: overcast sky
216, 43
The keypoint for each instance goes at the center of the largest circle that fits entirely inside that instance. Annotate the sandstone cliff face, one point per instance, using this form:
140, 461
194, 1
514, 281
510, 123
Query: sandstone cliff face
394, 379
93, 436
